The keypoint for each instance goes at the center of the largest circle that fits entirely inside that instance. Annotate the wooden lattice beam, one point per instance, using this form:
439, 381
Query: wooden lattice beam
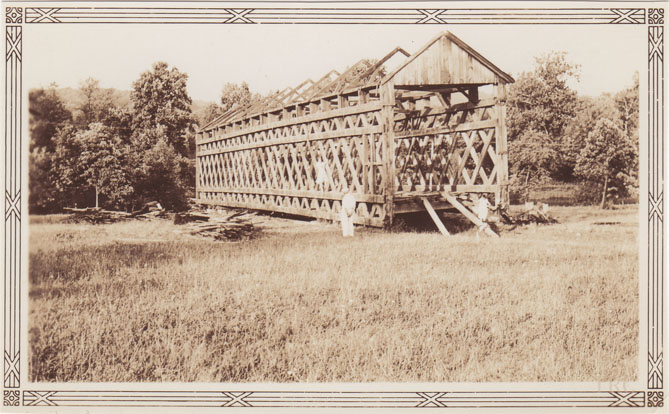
373, 137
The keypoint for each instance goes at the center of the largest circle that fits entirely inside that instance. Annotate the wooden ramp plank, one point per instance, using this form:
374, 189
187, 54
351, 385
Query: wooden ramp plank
434, 216
467, 213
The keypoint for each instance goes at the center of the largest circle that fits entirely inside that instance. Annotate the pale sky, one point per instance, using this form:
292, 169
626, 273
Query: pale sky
273, 57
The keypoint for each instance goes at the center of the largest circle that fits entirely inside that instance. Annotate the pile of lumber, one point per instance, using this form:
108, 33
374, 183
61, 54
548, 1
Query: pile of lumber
532, 213
189, 217
150, 210
94, 215
230, 226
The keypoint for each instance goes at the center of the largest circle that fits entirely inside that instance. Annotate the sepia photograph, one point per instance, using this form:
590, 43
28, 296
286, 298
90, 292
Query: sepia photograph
373, 205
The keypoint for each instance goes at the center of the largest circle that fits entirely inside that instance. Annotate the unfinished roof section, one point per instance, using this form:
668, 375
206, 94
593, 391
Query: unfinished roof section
445, 60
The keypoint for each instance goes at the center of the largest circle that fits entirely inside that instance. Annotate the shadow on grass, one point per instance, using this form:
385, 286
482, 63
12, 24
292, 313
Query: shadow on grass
421, 222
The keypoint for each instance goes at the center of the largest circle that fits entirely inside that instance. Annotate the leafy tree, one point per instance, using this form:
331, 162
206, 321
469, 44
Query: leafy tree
94, 158
589, 111
160, 100
609, 159
96, 106
47, 114
211, 112
235, 96
540, 106
120, 121
627, 103
43, 196
533, 156
161, 174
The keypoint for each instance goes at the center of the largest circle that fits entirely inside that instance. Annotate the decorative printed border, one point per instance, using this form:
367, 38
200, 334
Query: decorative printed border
15, 17
333, 399
12, 257
655, 198
311, 15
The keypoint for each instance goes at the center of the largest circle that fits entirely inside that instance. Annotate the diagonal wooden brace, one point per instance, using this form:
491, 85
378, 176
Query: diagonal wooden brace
467, 213
434, 216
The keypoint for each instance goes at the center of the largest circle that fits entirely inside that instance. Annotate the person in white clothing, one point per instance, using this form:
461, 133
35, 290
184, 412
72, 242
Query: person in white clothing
321, 174
481, 209
347, 213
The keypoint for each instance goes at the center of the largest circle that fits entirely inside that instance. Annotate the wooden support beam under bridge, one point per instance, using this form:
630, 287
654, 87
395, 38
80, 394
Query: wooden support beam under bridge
435, 217
467, 213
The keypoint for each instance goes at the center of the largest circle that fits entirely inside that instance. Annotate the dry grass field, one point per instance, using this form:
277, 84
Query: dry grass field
136, 301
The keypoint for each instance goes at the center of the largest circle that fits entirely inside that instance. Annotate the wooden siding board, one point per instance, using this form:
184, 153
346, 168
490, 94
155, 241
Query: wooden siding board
445, 62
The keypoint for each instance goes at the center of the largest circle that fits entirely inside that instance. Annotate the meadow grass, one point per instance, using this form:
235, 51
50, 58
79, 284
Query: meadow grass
136, 301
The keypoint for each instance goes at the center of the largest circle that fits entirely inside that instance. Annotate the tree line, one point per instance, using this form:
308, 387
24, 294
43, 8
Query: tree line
557, 136
121, 157
126, 156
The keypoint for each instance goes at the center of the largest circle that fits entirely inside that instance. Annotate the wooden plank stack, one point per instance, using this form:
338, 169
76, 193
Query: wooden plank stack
231, 226
95, 215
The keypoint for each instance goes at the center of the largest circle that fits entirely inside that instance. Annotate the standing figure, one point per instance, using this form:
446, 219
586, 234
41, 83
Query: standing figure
481, 210
347, 213
321, 174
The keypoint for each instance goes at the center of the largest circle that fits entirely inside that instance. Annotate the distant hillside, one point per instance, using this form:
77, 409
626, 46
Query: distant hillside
72, 98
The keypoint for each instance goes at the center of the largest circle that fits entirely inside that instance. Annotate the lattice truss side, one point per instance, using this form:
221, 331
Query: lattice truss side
447, 149
276, 168
298, 150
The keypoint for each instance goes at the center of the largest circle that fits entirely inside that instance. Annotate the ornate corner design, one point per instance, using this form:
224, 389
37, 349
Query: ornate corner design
11, 398
655, 16
14, 15
655, 399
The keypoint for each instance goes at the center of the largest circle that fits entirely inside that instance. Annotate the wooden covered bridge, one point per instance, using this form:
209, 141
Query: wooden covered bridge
424, 135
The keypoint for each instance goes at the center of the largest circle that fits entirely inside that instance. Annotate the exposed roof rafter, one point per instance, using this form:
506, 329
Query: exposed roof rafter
334, 83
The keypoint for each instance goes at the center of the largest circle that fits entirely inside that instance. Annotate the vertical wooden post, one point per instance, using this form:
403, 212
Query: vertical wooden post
363, 96
502, 150
365, 163
198, 173
474, 94
387, 111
